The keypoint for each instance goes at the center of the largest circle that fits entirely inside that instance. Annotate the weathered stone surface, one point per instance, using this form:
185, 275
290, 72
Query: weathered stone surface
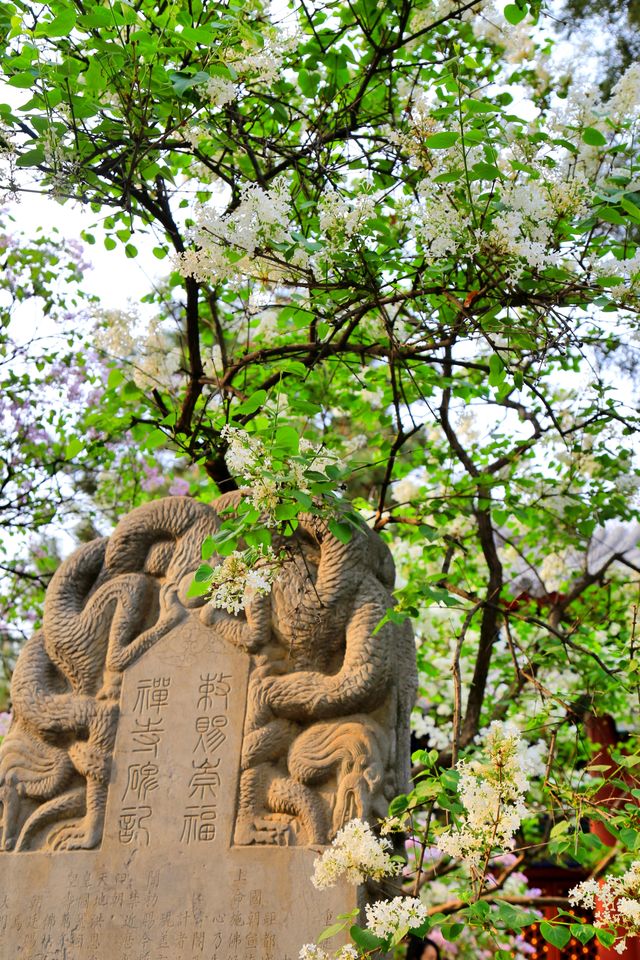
172, 769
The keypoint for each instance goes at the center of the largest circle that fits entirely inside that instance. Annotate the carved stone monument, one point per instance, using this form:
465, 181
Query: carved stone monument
172, 770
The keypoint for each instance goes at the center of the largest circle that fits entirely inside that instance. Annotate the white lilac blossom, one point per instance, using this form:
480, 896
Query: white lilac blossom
386, 918
616, 901
624, 103
245, 452
219, 91
271, 483
408, 487
230, 245
344, 217
355, 854
237, 582
311, 951
492, 793
440, 225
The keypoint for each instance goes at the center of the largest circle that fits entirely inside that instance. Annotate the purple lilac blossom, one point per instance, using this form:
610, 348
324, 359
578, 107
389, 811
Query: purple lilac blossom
179, 488
153, 479
5, 723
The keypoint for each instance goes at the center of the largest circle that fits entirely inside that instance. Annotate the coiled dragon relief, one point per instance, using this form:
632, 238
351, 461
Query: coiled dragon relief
326, 734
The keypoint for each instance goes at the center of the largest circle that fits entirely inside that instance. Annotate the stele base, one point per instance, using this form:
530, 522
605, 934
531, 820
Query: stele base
167, 882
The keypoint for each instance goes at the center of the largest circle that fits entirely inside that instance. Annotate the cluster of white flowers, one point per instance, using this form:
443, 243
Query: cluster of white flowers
248, 458
517, 40
389, 917
492, 793
245, 452
409, 487
158, 358
311, 951
117, 331
438, 223
234, 245
616, 901
267, 327
558, 567
264, 64
237, 581
58, 159
438, 735
341, 217
624, 103
524, 228
219, 91
355, 854
628, 269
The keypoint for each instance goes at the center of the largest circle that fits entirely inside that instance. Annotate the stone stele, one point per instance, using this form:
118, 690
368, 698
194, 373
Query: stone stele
172, 771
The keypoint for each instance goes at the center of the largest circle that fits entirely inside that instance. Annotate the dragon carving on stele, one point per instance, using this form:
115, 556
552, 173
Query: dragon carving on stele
326, 733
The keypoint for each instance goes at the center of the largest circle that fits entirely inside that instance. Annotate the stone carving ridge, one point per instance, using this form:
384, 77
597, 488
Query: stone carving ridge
326, 729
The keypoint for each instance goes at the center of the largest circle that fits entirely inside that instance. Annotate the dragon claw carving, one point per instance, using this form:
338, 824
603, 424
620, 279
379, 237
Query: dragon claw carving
326, 729
106, 605
327, 726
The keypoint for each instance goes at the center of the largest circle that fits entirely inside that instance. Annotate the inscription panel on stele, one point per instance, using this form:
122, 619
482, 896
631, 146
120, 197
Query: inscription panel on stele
167, 883
173, 769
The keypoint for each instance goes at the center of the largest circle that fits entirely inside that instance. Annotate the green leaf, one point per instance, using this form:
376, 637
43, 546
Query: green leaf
484, 171
74, 446
555, 934
427, 790
60, 26
429, 533
183, 81
115, 378
157, 438
593, 137
30, 158
365, 939
611, 215
398, 805
286, 511
330, 931
451, 931
471, 105
198, 589
341, 531
629, 837
203, 573
440, 141
251, 404
287, 438
497, 372
22, 80
258, 536
514, 14
208, 548
605, 937
582, 931
514, 917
